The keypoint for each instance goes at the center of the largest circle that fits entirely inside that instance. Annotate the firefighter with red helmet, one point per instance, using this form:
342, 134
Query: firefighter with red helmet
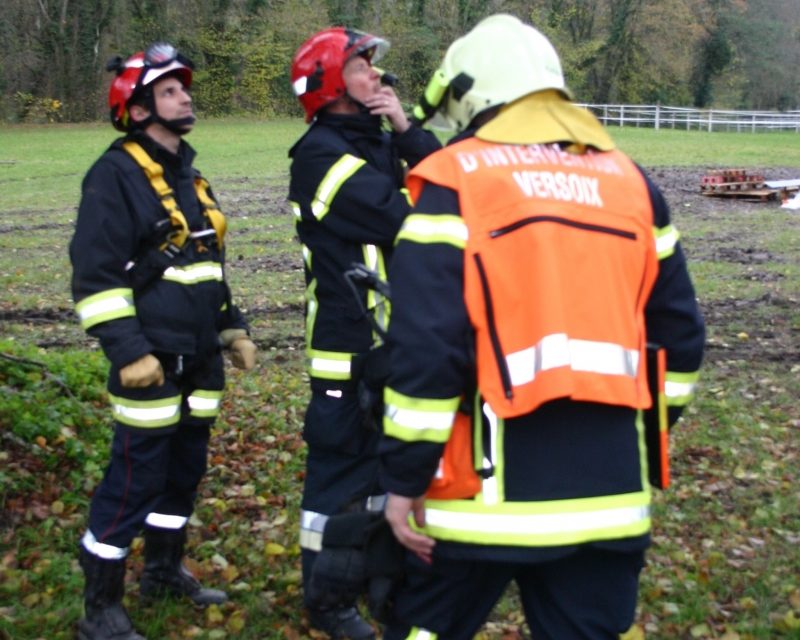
348, 196
531, 282
148, 282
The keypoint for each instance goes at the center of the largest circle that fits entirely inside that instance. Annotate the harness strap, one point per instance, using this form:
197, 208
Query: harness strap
155, 174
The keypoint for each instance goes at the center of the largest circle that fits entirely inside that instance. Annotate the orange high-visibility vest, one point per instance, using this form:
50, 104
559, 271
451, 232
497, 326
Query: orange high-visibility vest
558, 266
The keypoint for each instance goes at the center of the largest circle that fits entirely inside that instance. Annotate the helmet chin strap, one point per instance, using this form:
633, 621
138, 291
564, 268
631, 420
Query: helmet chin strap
176, 125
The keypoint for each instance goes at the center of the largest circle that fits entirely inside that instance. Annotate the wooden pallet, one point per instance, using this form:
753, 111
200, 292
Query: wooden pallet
760, 195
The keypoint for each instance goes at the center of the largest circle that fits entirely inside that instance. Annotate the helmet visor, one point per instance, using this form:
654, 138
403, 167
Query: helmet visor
161, 58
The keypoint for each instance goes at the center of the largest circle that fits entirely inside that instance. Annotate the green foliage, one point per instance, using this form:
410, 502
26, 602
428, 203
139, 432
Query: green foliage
50, 397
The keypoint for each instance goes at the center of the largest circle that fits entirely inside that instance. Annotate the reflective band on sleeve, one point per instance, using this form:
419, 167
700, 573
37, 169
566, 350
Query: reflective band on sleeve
337, 175
101, 550
204, 404
555, 522
428, 229
194, 273
666, 240
559, 350
330, 365
165, 521
679, 387
421, 634
413, 419
312, 525
296, 209
106, 305
146, 414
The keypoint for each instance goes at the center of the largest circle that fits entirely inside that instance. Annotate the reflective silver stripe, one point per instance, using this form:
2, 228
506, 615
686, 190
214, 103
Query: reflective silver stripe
421, 634
559, 350
165, 521
312, 525
666, 241
204, 404
421, 419
444, 228
101, 550
377, 303
333, 366
376, 503
104, 306
538, 524
296, 209
194, 273
344, 167
146, 413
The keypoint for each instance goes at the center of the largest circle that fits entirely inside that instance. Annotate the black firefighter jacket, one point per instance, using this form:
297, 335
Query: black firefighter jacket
347, 193
115, 227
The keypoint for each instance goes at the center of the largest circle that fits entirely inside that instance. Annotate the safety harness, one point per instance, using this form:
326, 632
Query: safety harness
180, 232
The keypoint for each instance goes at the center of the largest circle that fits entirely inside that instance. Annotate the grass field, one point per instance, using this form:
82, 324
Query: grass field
724, 564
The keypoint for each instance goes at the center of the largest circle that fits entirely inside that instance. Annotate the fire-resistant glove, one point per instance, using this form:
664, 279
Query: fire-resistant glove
243, 349
144, 372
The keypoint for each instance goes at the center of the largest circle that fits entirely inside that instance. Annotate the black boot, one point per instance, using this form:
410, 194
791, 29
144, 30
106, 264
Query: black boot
341, 624
105, 617
164, 573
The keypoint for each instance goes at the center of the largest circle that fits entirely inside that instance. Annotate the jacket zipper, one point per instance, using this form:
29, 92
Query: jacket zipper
630, 235
505, 376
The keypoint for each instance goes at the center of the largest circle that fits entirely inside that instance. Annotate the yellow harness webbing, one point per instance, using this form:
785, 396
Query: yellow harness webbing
155, 174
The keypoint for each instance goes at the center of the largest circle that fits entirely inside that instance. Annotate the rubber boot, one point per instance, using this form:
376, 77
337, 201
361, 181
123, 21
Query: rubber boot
105, 617
341, 624
164, 573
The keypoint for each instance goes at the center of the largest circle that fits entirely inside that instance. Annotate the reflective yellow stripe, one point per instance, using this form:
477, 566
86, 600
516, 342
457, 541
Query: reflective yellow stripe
146, 414
104, 306
559, 350
337, 175
429, 229
204, 403
414, 419
421, 634
330, 365
194, 273
554, 522
377, 303
296, 209
666, 240
679, 387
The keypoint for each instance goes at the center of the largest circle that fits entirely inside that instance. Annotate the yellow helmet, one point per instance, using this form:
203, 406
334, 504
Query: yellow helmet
499, 61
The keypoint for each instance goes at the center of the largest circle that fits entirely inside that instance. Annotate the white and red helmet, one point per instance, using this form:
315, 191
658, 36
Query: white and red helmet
140, 71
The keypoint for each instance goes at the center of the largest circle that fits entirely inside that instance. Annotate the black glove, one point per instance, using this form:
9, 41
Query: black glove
372, 370
359, 555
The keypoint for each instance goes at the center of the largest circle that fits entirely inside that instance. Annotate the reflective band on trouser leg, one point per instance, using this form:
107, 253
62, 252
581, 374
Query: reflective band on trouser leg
679, 387
104, 306
104, 551
337, 175
555, 522
418, 419
146, 414
330, 365
204, 403
165, 521
312, 525
194, 273
559, 350
376, 503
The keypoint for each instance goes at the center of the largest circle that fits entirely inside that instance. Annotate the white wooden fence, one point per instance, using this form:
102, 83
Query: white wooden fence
658, 117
